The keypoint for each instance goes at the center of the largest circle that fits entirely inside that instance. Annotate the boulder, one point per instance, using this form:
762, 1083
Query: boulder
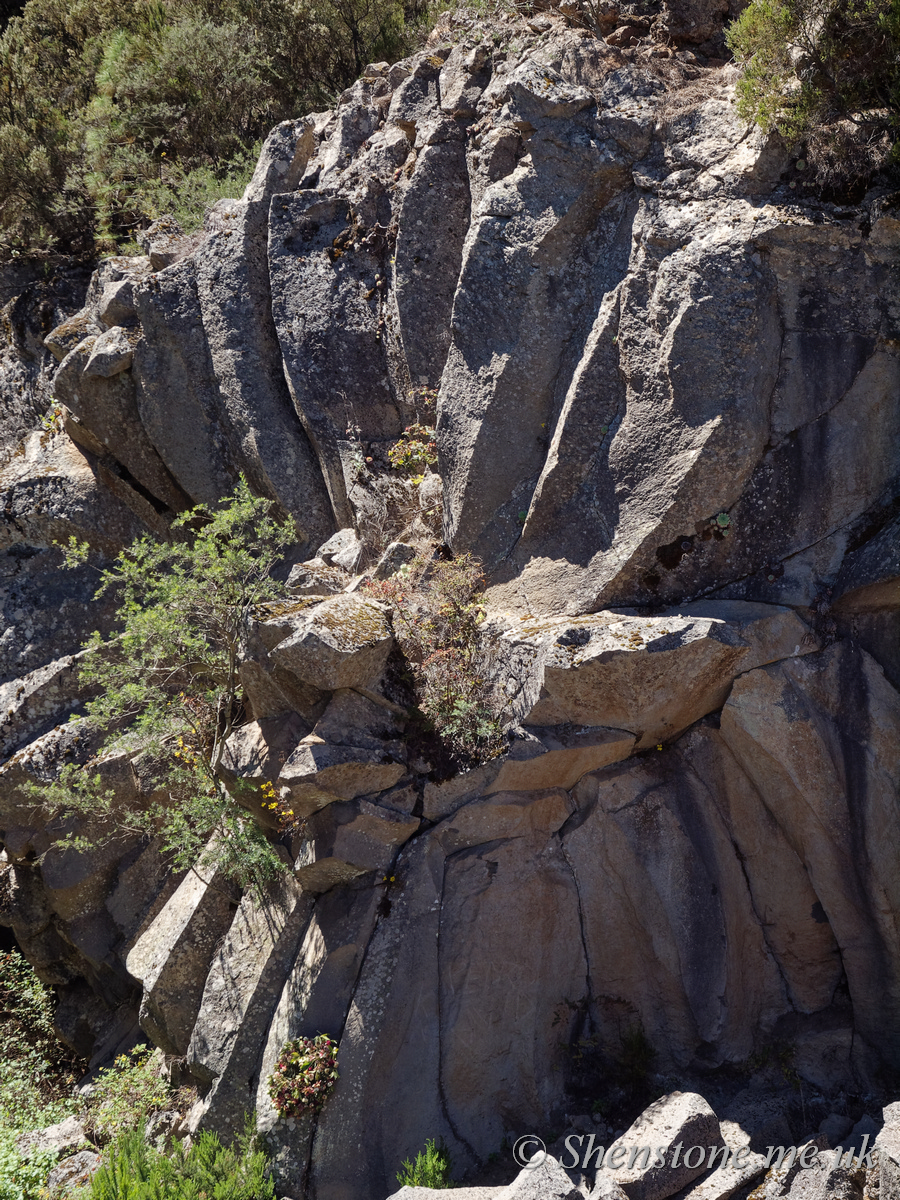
74, 1172
165, 243
678, 1124
542, 1180
620, 672
461, 1193
316, 578
64, 1136
111, 353
343, 642
64, 338
343, 549
116, 304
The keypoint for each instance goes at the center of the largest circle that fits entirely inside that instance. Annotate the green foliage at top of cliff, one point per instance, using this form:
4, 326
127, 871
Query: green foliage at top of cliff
113, 111
826, 74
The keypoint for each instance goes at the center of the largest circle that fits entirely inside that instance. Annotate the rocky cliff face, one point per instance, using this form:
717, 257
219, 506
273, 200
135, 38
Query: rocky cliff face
668, 424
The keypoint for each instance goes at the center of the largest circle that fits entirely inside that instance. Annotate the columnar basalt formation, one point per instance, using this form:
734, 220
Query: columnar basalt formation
668, 423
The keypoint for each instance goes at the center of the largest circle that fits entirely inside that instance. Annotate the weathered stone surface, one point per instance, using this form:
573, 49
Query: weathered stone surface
316, 578
342, 642
103, 399
242, 989
173, 358
116, 304
667, 380
345, 841
554, 757
164, 243
111, 353
50, 492
396, 556
282, 160
887, 1145
522, 255
869, 580
462, 1193
682, 1118
235, 303
620, 672
171, 958
65, 1135
547, 1181
316, 774
343, 549
433, 222
742, 1165
62, 340
828, 1181
799, 731
437, 1041
327, 305
74, 1172
788, 1172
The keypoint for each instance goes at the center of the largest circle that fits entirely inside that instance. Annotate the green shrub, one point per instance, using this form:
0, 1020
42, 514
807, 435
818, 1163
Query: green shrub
437, 613
36, 1075
825, 74
22, 1178
431, 1168
109, 107
166, 687
415, 450
125, 1094
304, 1076
132, 1170
36, 1070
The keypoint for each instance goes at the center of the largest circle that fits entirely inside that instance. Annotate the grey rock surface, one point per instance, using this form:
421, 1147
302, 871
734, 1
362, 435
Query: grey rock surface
664, 386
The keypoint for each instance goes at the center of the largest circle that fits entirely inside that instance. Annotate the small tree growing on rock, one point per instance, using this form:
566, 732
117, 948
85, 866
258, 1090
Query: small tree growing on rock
167, 689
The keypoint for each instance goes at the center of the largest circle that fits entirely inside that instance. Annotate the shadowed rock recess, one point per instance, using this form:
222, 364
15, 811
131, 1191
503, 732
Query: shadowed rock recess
668, 423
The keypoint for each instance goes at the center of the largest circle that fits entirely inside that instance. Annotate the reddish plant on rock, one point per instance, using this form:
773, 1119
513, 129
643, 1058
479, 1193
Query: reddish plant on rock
304, 1076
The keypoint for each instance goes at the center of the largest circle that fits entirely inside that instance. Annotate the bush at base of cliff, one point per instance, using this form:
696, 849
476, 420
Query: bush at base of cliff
431, 1168
126, 1094
826, 75
36, 1076
132, 1170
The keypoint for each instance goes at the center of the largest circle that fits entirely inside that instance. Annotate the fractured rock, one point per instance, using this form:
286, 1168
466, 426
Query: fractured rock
239, 998
171, 959
342, 642
679, 1119
316, 774
652, 676
557, 757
